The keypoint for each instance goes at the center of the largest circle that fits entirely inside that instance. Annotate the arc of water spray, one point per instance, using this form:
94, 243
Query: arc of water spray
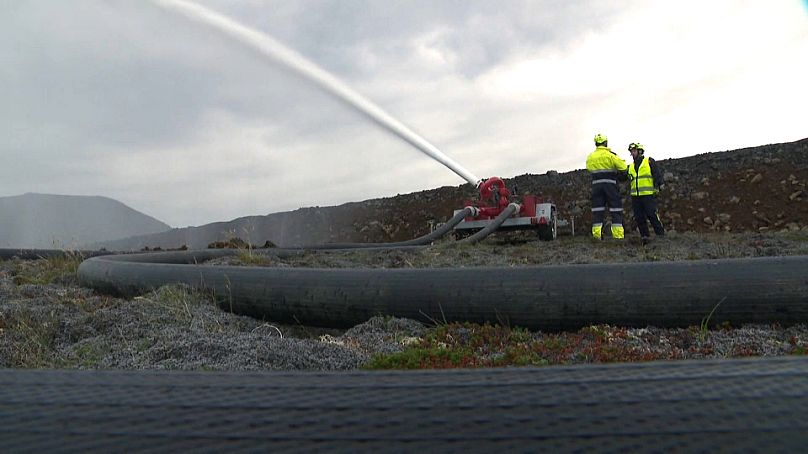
273, 49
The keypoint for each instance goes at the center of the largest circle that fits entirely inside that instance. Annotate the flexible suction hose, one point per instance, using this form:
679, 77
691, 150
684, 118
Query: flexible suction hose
420, 241
34, 254
665, 294
737, 405
494, 225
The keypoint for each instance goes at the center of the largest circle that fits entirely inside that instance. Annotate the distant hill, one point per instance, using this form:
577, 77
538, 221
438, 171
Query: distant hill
45, 221
753, 189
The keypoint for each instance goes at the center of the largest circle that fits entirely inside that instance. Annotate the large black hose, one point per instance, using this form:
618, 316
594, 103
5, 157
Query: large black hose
748, 405
665, 294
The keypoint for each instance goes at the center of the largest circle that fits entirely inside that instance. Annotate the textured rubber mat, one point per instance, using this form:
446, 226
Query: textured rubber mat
730, 405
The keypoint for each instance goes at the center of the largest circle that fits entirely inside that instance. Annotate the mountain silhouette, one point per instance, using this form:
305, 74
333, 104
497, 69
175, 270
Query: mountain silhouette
47, 221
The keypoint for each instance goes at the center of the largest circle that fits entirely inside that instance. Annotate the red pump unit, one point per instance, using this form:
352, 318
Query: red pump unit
534, 212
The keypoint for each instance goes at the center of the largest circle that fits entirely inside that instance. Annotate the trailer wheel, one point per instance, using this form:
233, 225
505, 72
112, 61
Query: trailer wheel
549, 232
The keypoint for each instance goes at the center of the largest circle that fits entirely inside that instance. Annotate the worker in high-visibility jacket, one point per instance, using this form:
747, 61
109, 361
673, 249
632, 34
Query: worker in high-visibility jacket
606, 169
645, 179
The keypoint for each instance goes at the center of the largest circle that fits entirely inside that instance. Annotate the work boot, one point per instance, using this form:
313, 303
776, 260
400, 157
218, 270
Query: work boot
645, 240
597, 231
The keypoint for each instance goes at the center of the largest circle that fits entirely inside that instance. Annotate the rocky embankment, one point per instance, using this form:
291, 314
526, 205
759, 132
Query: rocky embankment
756, 189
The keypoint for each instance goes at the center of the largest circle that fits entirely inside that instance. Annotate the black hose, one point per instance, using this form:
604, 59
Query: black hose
207, 254
423, 240
737, 405
665, 294
34, 254
490, 228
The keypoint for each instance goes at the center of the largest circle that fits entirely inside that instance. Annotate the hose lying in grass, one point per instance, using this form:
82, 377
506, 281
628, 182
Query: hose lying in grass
420, 241
565, 297
34, 254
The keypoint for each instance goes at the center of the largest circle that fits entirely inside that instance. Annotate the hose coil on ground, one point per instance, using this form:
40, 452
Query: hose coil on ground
669, 294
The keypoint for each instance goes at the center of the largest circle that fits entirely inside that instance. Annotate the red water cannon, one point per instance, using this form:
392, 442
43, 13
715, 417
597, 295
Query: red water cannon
494, 197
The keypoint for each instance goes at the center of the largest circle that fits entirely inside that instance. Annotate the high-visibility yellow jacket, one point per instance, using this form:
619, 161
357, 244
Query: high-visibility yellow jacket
605, 166
642, 179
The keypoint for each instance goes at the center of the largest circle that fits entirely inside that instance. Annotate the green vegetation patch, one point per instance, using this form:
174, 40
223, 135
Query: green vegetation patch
458, 345
86, 354
177, 302
46, 270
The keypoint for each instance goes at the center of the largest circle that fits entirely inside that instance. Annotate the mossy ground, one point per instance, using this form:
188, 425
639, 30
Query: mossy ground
460, 345
47, 320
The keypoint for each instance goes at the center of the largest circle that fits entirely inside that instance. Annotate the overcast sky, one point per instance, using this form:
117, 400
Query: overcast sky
122, 99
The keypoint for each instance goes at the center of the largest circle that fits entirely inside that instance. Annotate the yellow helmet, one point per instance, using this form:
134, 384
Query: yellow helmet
601, 139
636, 146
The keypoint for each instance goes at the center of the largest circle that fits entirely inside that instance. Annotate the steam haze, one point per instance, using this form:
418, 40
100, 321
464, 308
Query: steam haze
120, 99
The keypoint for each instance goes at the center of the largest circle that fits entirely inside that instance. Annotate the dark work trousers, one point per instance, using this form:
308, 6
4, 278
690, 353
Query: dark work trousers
645, 209
606, 195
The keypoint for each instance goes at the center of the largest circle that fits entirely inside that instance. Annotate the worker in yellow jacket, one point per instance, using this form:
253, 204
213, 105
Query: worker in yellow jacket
606, 169
646, 179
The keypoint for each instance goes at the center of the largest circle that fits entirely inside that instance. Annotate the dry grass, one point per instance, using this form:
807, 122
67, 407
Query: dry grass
47, 270
524, 250
46, 320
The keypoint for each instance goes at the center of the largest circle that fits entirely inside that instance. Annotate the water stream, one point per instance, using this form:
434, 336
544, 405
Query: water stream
269, 47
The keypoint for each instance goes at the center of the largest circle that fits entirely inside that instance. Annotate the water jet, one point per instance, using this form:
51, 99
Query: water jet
272, 49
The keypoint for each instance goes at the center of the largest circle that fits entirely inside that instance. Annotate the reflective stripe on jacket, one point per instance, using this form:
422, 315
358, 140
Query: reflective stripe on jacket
604, 165
642, 181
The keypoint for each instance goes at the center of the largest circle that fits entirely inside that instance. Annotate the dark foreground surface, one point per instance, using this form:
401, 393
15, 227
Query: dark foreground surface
716, 405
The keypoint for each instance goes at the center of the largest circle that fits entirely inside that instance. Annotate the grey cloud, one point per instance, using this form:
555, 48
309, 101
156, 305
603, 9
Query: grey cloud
89, 86
75, 70
93, 79
99, 74
480, 33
